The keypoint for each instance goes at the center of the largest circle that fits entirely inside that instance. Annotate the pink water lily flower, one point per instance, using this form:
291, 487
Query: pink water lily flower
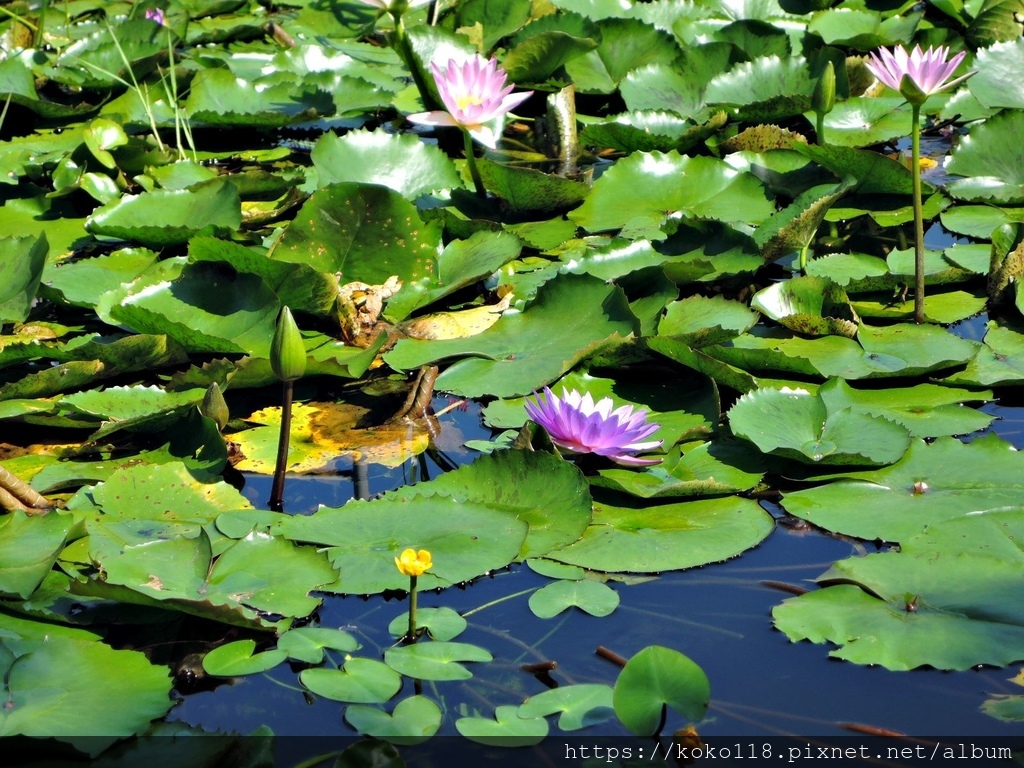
475, 97
578, 424
157, 15
927, 70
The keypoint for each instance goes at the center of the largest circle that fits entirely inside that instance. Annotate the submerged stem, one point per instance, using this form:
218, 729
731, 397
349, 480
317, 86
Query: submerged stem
915, 155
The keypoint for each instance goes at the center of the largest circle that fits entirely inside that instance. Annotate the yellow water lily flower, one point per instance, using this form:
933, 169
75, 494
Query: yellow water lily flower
413, 563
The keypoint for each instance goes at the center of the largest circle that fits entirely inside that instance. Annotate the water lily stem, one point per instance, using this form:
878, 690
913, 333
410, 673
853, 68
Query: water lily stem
819, 128
277, 489
915, 159
803, 258
478, 183
411, 635
404, 50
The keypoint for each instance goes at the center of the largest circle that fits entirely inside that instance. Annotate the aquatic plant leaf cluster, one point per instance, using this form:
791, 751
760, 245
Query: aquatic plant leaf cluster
666, 221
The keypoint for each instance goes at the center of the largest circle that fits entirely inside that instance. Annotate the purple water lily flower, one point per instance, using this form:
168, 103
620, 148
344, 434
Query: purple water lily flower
578, 424
928, 70
157, 15
475, 96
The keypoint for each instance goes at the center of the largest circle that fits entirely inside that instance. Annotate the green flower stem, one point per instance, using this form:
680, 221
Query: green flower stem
803, 258
915, 159
404, 50
410, 637
478, 183
277, 489
819, 128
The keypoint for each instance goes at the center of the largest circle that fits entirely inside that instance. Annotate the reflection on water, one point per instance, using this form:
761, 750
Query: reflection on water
719, 615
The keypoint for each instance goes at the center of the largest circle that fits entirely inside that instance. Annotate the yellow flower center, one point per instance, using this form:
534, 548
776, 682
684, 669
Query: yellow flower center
467, 100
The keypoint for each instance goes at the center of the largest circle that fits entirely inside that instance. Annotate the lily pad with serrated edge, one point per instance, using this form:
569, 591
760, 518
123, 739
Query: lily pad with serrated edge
946, 599
798, 425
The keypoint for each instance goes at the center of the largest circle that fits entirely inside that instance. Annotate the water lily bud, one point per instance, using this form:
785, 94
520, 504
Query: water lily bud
911, 91
287, 352
824, 96
214, 407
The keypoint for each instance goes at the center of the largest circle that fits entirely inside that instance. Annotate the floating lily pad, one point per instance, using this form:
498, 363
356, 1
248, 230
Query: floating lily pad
401, 162
931, 483
541, 489
362, 540
991, 157
944, 600
667, 537
654, 678
507, 729
523, 352
323, 433
798, 425
21, 267
59, 687
237, 659
435, 660
307, 644
654, 185
812, 306
29, 546
361, 681
440, 623
717, 468
699, 321
169, 217
591, 597
578, 706
999, 363
413, 721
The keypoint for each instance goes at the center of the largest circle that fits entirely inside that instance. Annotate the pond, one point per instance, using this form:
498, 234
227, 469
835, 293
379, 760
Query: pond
465, 375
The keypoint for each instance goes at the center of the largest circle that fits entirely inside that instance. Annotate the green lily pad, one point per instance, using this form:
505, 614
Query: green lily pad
237, 659
925, 410
401, 162
360, 681
413, 720
812, 306
435, 660
667, 537
440, 623
21, 267
29, 546
227, 311
944, 600
654, 678
998, 362
717, 468
656, 185
625, 45
698, 321
307, 644
364, 233
522, 352
793, 228
169, 217
995, 67
798, 425
528, 189
578, 706
507, 729
546, 492
991, 157
863, 122
83, 282
591, 597
767, 89
362, 540
59, 687
930, 484
876, 174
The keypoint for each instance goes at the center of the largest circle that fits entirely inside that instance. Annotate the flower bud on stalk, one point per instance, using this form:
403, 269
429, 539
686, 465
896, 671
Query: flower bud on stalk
287, 352
214, 407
